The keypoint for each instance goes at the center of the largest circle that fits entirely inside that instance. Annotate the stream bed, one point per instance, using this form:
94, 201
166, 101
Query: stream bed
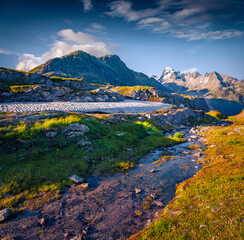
107, 209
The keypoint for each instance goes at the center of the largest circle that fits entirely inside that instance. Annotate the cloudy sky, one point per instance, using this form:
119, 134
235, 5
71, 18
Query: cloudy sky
187, 35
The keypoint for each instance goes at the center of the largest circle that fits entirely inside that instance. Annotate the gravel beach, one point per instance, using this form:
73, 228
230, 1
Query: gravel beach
129, 106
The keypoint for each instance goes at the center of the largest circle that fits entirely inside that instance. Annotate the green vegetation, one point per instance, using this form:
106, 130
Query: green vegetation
210, 205
60, 79
217, 114
124, 90
178, 135
146, 205
22, 88
35, 168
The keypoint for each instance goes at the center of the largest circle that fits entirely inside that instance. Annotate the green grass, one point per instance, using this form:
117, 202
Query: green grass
217, 114
210, 205
35, 168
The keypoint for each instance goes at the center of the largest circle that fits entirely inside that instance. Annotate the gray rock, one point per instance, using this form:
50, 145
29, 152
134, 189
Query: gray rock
120, 134
159, 204
74, 134
83, 142
4, 214
76, 178
51, 134
77, 127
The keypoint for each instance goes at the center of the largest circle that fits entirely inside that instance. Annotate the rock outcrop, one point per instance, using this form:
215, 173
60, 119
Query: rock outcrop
26, 87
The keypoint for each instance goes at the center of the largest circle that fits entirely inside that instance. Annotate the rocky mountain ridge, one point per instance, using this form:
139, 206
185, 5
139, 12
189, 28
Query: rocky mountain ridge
211, 85
103, 70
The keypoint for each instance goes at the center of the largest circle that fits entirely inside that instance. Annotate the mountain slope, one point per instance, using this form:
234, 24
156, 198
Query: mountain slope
104, 70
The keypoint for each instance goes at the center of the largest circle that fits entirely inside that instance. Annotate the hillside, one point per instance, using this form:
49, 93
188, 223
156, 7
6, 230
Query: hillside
104, 70
209, 205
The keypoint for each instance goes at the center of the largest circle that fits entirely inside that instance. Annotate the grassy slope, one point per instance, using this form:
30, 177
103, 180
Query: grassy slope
211, 204
35, 168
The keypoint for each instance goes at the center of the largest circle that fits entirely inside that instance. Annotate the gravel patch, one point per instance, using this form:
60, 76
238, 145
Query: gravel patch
129, 106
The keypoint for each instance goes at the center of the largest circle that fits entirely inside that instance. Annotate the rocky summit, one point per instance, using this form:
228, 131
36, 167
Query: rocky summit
109, 69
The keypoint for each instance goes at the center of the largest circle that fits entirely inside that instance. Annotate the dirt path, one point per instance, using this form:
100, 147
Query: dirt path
107, 209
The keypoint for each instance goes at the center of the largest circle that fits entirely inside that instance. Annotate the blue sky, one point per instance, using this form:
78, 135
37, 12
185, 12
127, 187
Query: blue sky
187, 35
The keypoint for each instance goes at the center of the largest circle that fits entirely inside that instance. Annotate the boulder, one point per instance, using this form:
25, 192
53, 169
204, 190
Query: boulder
51, 134
4, 214
76, 178
77, 127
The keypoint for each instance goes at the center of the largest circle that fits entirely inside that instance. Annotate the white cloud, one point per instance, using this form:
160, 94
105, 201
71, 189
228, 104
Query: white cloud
7, 52
87, 5
192, 20
124, 9
96, 28
70, 41
190, 70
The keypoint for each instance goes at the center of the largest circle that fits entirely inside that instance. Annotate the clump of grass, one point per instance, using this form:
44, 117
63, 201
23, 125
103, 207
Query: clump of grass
162, 160
178, 135
138, 213
217, 114
146, 205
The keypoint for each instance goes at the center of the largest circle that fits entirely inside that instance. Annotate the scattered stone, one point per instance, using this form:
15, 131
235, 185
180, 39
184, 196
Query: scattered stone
196, 167
66, 235
152, 171
84, 185
215, 209
76, 238
51, 134
76, 178
137, 190
4, 214
130, 194
120, 134
203, 226
158, 203
174, 212
43, 221
74, 134
83, 142
77, 127
154, 196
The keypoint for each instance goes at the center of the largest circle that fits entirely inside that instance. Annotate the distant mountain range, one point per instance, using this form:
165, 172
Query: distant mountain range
211, 85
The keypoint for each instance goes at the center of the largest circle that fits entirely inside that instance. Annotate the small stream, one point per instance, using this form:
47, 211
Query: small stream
107, 209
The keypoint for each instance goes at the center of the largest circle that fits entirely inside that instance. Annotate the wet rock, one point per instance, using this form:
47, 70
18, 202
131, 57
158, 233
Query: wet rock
158, 203
51, 134
153, 196
43, 221
152, 171
76, 178
4, 214
137, 190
